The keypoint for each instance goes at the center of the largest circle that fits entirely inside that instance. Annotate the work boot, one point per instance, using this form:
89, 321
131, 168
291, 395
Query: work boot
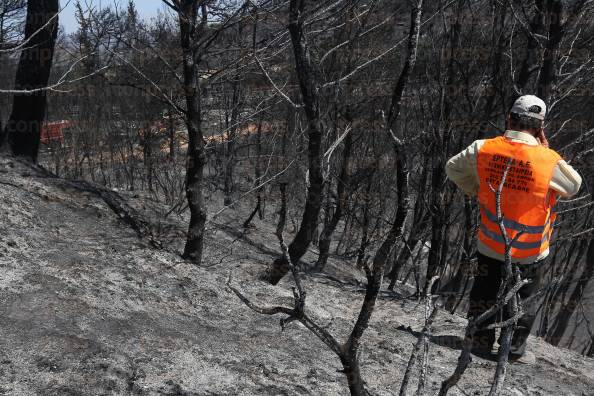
527, 358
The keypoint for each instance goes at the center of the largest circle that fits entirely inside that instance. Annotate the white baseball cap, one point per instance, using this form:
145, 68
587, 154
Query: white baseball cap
530, 106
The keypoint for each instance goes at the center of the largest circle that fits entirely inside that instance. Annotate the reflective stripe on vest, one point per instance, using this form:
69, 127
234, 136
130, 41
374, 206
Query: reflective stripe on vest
526, 200
514, 225
516, 244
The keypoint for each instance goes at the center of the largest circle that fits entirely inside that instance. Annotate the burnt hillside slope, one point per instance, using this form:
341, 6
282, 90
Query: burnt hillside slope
87, 307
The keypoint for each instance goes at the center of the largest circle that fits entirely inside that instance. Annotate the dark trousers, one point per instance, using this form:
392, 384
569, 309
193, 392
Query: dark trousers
487, 280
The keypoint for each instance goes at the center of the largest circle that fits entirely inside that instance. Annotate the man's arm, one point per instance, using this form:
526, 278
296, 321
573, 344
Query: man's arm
566, 181
462, 169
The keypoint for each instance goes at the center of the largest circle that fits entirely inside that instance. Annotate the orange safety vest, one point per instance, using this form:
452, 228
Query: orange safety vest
526, 199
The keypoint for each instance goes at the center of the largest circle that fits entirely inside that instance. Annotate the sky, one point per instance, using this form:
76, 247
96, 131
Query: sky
146, 10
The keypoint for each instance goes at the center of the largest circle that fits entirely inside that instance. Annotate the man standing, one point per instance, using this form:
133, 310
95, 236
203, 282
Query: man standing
537, 176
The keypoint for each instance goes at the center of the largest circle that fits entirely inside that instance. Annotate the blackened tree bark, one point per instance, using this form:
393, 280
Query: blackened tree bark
196, 38
23, 129
546, 25
147, 140
231, 137
342, 191
232, 124
190, 30
499, 40
464, 273
441, 144
530, 63
402, 170
309, 92
365, 221
569, 307
418, 226
258, 175
343, 182
547, 77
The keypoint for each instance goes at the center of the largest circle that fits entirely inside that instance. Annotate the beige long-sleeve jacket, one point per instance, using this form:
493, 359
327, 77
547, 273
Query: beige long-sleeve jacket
462, 170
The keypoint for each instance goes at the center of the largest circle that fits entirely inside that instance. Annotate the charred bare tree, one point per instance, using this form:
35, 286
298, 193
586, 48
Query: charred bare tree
342, 191
460, 282
569, 306
348, 351
536, 30
257, 174
232, 122
418, 225
196, 37
547, 77
334, 213
308, 84
191, 32
365, 221
23, 129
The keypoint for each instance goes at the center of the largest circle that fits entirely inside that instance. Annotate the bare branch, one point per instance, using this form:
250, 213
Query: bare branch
276, 88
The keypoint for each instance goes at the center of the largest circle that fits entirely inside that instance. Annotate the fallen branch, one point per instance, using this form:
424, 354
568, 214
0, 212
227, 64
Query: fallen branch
124, 212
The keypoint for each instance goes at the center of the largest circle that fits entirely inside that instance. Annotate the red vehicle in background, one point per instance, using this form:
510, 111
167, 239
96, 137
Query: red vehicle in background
54, 131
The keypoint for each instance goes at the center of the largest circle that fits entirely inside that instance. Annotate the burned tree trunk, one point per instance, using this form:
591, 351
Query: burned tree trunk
232, 132
23, 129
365, 221
569, 307
342, 191
375, 275
419, 220
257, 174
461, 280
547, 76
530, 63
188, 14
311, 105
439, 199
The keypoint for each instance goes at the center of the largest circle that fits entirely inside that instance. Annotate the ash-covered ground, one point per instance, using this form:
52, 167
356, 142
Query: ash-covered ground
87, 307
